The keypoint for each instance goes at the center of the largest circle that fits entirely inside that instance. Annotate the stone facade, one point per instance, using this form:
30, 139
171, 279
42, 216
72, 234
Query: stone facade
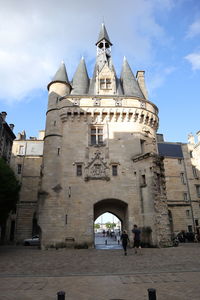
182, 184
100, 155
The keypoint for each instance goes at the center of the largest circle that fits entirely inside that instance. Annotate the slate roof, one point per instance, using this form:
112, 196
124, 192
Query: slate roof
60, 76
80, 82
103, 35
170, 150
129, 83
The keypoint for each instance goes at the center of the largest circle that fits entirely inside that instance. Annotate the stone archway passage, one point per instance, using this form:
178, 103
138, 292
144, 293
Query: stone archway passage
119, 209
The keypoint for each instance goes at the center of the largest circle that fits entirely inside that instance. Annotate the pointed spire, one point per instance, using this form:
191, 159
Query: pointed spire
80, 82
60, 76
129, 83
103, 35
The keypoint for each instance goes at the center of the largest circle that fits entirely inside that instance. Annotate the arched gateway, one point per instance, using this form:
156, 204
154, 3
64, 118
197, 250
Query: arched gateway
100, 143
115, 207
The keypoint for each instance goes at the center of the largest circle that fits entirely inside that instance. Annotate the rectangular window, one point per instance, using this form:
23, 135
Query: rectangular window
96, 135
105, 84
143, 180
65, 219
185, 196
78, 170
19, 169
21, 150
114, 170
187, 213
194, 170
142, 145
198, 190
183, 178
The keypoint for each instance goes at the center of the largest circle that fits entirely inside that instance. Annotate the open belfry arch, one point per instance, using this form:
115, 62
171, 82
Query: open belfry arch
100, 154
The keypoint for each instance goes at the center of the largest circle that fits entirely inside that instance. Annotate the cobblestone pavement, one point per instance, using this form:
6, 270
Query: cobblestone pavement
27, 273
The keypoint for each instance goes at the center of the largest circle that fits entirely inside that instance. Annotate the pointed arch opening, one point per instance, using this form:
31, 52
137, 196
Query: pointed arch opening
110, 218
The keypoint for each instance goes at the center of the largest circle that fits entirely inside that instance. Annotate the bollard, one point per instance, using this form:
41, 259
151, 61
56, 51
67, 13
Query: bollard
61, 295
105, 242
152, 294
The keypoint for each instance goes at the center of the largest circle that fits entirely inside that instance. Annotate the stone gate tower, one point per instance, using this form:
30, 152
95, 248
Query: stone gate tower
100, 154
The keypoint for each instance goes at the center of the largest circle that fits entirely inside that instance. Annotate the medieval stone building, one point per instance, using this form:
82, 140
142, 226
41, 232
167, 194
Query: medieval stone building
100, 155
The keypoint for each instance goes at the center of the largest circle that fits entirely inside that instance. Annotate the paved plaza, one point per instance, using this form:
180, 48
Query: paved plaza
27, 273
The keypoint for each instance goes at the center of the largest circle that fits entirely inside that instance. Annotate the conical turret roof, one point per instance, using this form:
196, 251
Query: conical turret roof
129, 83
60, 76
103, 35
80, 82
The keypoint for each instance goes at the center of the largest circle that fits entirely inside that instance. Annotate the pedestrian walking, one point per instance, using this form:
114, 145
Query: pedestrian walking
125, 240
136, 238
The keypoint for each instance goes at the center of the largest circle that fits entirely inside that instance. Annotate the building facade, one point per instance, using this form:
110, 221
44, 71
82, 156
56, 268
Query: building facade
100, 154
6, 137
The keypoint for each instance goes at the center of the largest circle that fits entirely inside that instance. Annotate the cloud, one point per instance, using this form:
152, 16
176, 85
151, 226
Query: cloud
194, 29
194, 59
37, 35
159, 77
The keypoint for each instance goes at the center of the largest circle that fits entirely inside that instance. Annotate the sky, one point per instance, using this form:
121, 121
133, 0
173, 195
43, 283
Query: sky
161, 37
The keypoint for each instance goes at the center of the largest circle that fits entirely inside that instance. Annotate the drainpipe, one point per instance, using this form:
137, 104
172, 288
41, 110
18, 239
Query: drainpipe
189, 194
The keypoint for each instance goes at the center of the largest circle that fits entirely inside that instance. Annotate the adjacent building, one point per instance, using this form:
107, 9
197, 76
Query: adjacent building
6, 137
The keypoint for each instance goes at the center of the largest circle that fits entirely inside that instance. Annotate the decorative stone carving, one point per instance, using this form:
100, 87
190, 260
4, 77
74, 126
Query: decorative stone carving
97, 168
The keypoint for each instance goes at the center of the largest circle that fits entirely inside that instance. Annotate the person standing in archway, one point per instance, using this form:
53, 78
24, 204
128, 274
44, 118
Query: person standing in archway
136, 238
125, 240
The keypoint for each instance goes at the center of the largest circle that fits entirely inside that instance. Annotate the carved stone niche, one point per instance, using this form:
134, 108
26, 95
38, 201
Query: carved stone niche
97, 168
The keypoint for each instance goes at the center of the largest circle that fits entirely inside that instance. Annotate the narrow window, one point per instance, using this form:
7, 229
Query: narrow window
114, 170
187, 213
196, 222
142, 145
194, 170
185, 196
183, 178
180, 161
19, 169
78, 170
58, 151
108, 83
65, 219
198, 190
143, 180
191, 155
54, 123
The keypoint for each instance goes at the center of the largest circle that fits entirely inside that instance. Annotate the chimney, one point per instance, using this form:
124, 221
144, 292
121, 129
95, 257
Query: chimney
12, 126
191, 139
4, 114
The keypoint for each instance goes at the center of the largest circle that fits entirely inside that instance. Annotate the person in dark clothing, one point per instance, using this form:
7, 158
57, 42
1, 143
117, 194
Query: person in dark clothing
125, 240
136, 238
